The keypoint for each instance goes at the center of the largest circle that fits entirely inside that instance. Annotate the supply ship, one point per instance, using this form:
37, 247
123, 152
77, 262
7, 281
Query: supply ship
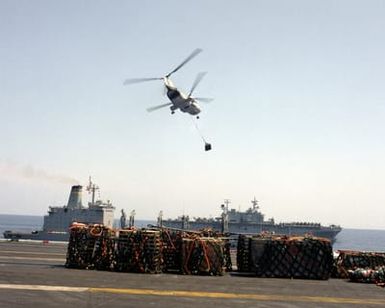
58, 219
252, 221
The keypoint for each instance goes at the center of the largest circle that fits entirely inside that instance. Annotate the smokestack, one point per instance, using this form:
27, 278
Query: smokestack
75, 200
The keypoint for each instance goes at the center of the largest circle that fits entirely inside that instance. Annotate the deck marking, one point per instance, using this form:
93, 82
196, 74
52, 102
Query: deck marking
260, 297
31, 259
196, 294
32, 253
34, 287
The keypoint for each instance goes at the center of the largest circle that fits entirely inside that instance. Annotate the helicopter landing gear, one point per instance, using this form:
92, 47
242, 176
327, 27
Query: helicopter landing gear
172, 112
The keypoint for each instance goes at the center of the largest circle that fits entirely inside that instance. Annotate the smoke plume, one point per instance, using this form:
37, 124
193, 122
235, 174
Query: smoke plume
11, 169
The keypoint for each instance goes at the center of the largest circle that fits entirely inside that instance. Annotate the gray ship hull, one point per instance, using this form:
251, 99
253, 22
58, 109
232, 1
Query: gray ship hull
253, 228
37, 236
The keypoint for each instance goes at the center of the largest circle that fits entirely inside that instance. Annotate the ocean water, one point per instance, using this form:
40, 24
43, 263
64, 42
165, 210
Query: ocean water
360, 239
348, 239
26, 223
20, 223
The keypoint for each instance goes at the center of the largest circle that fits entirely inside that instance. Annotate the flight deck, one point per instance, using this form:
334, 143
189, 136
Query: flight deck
33, 273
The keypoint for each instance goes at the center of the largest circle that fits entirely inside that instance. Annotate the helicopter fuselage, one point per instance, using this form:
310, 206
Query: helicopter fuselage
180, 100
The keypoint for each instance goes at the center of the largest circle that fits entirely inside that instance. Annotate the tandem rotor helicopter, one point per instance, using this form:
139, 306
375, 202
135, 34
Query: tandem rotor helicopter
178, 99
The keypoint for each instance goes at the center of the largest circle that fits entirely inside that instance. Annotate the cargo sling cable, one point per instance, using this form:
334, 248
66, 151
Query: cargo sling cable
207, 145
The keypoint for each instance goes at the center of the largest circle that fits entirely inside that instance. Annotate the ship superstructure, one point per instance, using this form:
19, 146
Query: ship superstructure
58, 219
251, 221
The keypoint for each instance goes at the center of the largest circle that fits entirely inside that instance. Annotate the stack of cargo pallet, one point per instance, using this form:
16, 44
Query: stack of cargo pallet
285, 257
202, 256
195, 253
243, 253
152, 251
227, 254
210, 233
348, 260
249, 251
139, 251
90, 247
172, 247
128, 251
105, 248
147, 250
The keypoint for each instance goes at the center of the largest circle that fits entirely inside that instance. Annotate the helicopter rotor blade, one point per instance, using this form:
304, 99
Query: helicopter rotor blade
204, 99
197, 80
138, 80
193, 54
158, 107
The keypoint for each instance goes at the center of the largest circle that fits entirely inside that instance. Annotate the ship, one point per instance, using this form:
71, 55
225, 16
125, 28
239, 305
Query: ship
58, 219
251, 221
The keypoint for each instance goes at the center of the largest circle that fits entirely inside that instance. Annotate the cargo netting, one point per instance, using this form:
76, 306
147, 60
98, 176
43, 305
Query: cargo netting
348, 261
90, 247
139, 251
285, 257
202, 256
148, 250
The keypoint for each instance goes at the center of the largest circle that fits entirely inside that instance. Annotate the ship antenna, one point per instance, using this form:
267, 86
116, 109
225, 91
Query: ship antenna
227, 202
254, 202
91, 188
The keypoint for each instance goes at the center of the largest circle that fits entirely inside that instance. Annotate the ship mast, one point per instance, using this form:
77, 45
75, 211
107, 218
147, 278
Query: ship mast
225, 216
226, 203
92, 188
254, 202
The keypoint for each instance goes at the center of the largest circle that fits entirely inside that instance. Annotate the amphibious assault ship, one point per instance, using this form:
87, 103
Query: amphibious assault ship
56, 223
252, 221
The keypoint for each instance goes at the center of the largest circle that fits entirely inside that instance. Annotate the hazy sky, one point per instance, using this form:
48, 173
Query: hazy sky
297, 120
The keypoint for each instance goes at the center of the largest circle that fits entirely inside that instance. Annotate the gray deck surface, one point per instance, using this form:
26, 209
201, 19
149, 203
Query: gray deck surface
33, 275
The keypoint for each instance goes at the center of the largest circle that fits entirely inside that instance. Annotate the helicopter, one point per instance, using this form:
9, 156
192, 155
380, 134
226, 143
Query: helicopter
178, 100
